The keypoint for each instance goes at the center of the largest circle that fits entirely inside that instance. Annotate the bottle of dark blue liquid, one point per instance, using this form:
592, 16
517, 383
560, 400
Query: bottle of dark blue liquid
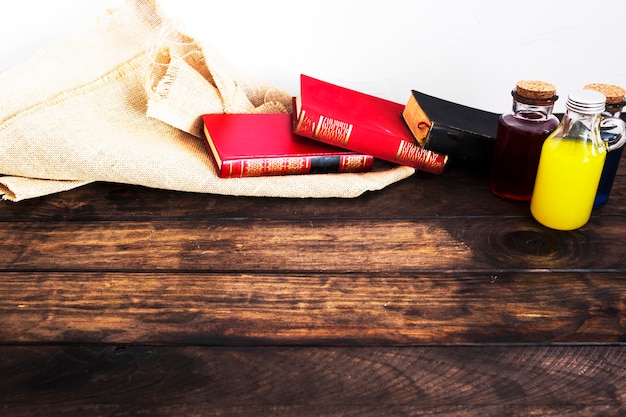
615, 101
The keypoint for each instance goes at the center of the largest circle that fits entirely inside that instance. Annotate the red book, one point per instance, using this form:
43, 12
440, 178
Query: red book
360, 122
255, 145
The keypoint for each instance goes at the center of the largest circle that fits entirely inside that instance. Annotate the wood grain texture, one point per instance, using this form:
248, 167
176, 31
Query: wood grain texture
312, 245
429, 298
313, 309
128, 380
454, 194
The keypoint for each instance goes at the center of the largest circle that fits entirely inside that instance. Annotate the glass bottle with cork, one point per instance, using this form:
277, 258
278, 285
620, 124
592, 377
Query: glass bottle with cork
571, 162
519, 139
615, 101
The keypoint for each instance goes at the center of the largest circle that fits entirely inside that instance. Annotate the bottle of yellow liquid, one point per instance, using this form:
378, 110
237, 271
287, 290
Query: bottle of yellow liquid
570, 165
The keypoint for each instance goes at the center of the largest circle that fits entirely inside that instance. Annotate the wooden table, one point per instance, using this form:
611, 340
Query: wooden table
429, 298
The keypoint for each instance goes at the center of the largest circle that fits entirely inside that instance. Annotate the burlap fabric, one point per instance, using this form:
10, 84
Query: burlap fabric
120, 100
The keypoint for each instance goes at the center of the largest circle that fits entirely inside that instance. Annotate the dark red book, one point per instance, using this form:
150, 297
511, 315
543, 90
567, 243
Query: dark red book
255, 145
361, 123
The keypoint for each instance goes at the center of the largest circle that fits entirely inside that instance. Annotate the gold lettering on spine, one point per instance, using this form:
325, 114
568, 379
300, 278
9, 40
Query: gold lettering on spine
276, 166
333, 131
413, 155
304, 122
352, 162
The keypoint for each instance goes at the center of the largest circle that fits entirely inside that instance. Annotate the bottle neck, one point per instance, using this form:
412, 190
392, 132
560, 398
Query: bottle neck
612, 127
580, 125
614, 110
532, 112
536, 110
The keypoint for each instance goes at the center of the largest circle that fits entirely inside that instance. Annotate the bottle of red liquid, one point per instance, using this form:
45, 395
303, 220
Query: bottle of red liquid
519, 139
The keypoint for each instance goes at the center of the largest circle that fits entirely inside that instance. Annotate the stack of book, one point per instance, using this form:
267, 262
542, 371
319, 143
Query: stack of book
332, 130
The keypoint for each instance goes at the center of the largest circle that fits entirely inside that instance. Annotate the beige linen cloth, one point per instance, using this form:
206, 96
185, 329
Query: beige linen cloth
120, 101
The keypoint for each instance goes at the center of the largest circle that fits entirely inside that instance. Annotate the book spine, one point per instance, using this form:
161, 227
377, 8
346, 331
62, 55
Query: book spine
348, 136
348, 163
416, 120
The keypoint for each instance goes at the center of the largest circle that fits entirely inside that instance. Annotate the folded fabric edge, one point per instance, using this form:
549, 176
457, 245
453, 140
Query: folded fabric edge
17, 189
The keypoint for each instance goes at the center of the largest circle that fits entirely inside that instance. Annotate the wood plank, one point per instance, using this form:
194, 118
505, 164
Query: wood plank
199, 408
452, 195
422, 195
319, 309
451, 381
449, 244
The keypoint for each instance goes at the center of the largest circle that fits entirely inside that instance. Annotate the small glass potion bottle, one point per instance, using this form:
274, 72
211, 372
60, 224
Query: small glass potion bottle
571, 162
615, 102
519, 139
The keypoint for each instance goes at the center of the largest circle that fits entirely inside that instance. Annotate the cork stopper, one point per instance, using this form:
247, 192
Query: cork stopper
535, 90
614, 94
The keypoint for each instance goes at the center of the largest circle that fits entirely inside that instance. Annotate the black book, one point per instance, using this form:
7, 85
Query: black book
466, 134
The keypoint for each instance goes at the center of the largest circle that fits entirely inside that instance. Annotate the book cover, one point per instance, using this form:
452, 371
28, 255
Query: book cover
254, 145
360, 122
467, 135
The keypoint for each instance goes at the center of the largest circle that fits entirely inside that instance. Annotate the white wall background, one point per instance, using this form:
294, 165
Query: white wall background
468, 51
